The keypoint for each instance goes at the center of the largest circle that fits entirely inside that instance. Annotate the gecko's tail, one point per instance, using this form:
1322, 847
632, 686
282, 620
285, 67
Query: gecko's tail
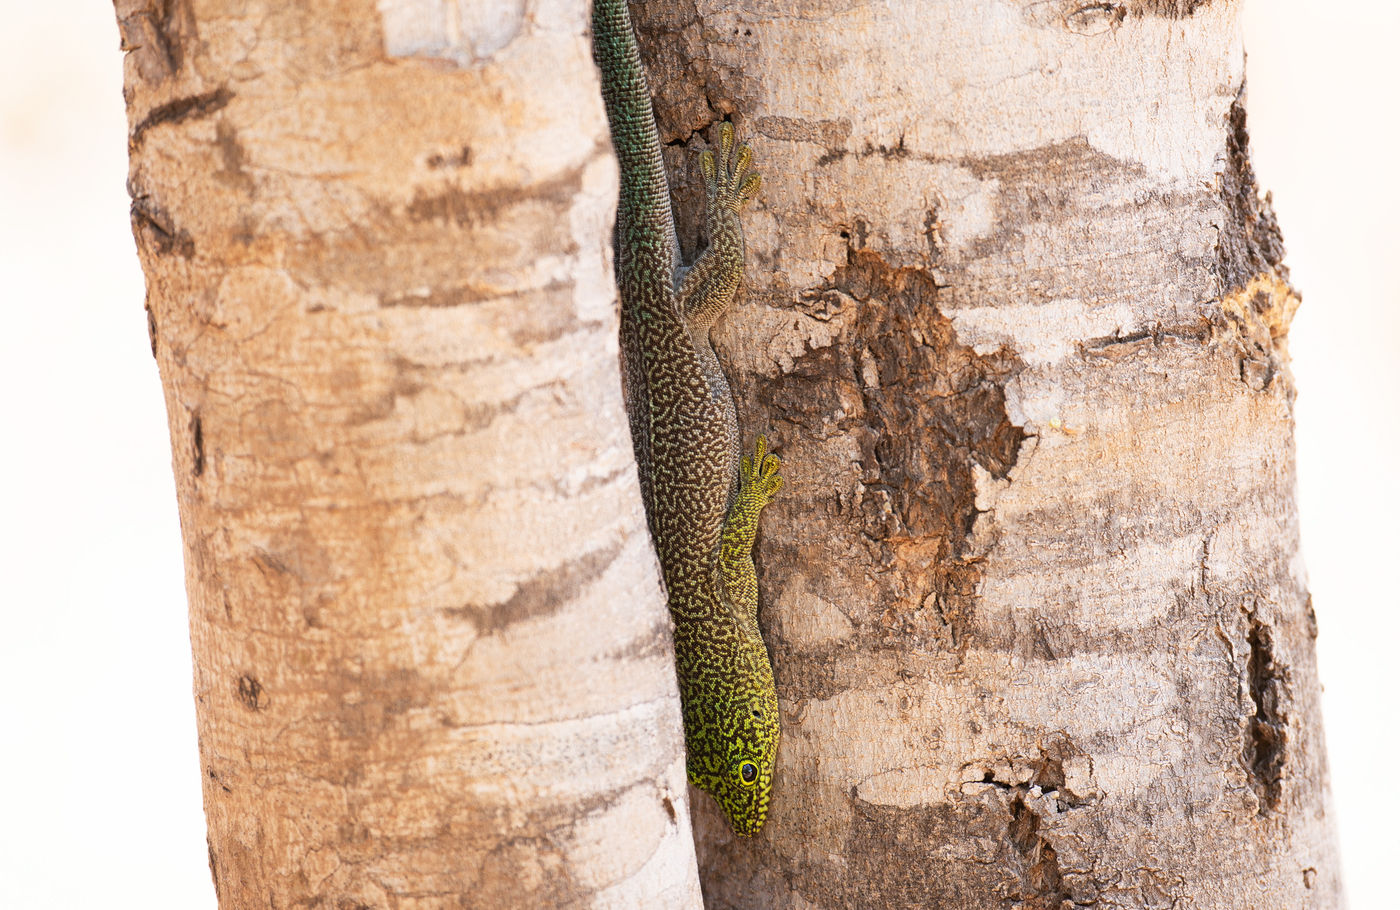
633, 125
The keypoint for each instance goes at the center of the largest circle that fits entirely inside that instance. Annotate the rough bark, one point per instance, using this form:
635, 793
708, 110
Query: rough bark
432, 659
1016, 317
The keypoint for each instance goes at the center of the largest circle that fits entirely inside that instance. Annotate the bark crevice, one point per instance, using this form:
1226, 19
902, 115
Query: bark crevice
1266, 747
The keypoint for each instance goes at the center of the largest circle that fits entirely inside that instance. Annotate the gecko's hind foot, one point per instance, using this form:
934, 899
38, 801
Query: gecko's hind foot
728, 182
759, 479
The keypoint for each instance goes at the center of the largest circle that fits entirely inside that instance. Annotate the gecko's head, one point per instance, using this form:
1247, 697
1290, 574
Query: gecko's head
734, 762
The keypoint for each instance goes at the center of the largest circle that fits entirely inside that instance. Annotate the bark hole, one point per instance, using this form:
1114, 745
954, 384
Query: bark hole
1268, 729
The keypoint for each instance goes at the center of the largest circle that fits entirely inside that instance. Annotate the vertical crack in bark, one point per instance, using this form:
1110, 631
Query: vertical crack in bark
152, 331
1043, 863
1266, 746
197, 444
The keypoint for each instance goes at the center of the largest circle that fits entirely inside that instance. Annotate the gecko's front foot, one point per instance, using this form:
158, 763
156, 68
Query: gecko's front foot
728, 184
759, 480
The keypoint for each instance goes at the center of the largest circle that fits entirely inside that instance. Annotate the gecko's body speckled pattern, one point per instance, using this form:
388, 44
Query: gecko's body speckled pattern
703, 501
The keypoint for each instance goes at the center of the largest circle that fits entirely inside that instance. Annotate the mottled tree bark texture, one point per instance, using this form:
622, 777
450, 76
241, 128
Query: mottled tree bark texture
1015, 317
432, 655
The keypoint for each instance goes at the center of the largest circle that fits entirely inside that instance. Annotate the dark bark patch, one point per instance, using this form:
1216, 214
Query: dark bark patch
924, 412
895, 858
689, 90
1042, 877
214, 776
154, 230
542, 594
472, 208
251, 694
1257, 302
812, 673
189, 107
825, 133
196, 444
155, 33
1251, 242
1167, 9
935, 406
1266, 746
457, 158
935, 409
371, 705
652, 643
233, 156
1090, 19
1127, 344
151, 331
440, 297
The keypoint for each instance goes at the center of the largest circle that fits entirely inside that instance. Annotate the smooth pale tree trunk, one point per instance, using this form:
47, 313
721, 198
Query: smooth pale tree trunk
1015, 315
432, 657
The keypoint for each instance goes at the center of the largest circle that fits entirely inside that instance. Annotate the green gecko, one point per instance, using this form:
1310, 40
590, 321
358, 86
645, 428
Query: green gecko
703, 501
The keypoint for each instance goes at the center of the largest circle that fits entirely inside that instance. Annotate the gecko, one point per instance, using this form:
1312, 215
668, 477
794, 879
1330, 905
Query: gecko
703, 500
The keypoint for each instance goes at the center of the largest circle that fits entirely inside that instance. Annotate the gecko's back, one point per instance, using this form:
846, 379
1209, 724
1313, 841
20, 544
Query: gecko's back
702, 508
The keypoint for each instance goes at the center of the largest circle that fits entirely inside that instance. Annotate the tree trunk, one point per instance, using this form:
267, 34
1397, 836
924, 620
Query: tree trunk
1016, 317
432, 659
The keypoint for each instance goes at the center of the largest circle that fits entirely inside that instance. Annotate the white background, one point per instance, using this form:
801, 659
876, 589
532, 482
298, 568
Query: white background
99, 776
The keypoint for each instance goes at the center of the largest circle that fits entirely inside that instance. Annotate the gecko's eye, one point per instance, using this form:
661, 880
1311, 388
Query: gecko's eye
748, 773
758, 714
